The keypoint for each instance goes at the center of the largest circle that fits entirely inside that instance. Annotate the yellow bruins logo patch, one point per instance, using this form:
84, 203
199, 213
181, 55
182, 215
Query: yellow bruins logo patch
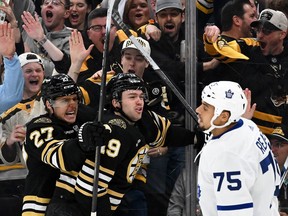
118, 122
43, 120
221, 44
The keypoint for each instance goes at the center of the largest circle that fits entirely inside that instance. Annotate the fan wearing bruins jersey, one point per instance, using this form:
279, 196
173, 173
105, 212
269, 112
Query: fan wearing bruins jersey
12, 121
12, 167
265, 74
236, 16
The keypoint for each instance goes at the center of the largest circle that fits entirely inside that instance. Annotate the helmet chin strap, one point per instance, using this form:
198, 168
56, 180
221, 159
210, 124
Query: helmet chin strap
212, 127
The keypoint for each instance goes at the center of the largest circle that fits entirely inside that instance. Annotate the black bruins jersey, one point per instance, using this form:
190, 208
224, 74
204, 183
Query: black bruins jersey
43, 144
90, 89
116, 178
227, 49
121, 158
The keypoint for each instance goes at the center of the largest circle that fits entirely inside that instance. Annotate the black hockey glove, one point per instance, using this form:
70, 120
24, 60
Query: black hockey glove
92, 134
200, 138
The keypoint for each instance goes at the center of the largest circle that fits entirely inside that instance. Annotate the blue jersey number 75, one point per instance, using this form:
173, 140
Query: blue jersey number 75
231, 177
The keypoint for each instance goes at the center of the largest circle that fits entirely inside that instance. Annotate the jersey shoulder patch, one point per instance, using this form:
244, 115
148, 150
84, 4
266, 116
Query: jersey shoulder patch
118, 122
43, 120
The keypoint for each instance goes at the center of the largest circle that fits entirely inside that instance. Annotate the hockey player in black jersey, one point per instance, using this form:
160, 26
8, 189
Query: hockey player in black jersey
121, 157
157, 131
52, 143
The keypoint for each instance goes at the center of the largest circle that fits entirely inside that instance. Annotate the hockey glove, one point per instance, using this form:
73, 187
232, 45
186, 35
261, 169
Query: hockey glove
200, 136
92, 134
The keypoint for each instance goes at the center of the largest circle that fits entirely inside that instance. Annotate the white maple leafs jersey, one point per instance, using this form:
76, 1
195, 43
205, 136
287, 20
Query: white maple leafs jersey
238, 174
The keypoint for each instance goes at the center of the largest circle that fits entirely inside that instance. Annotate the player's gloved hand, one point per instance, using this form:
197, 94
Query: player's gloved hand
92, 134
200, 138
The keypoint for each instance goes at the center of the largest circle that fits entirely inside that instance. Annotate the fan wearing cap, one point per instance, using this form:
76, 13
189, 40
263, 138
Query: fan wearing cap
265, 72
11, 91
169, 16
166, 52
33, 72
271, 30
13, 121
268, 68
279, 144
132, 60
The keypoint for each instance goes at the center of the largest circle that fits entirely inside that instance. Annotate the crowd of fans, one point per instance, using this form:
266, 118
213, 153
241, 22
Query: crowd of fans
51, 41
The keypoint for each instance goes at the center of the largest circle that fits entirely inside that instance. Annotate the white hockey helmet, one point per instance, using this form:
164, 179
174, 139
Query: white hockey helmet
225, 95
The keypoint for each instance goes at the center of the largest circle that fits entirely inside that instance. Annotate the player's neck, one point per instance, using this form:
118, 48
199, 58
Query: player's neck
125, 117
219, 131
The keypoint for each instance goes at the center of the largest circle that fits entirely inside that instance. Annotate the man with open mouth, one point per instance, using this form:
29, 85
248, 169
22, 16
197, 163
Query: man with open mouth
12, 123
265, 72
48, 36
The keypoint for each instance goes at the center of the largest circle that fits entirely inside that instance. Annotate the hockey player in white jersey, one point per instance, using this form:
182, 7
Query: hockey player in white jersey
237, 173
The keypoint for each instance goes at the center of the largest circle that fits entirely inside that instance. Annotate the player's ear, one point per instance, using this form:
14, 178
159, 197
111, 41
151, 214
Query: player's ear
115, 103
49, 107
122, 59
225, 115
283, 34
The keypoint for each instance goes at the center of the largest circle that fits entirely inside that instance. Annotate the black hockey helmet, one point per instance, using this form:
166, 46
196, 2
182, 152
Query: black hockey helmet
122, 82
58, 86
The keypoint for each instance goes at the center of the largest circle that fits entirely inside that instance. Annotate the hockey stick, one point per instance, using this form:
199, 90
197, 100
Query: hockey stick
119, 23
111, 5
